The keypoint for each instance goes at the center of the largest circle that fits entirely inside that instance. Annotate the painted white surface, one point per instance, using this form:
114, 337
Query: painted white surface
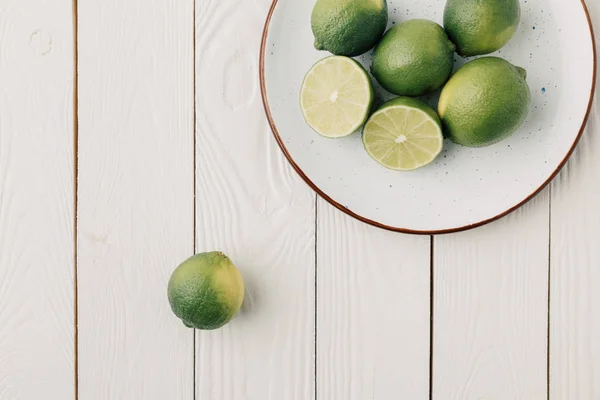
36, 200
372, 310
490, 309
136, 223
251, 205
463, 186
136, 197
575, 268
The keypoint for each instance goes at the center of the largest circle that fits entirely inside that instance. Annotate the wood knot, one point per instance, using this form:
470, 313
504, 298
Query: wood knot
41, 42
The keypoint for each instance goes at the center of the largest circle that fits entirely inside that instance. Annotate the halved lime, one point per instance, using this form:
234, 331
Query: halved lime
403, 134
336, 96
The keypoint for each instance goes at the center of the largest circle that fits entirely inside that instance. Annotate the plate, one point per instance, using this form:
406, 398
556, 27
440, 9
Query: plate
464, 187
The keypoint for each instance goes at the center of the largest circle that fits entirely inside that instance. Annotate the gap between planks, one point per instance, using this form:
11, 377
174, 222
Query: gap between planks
194, 157
315, 287
431, 314
549, 291
75, 196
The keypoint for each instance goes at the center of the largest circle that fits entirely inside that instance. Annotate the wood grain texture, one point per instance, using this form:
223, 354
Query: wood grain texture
36, 200
575, 266
252, 206
136, 186
373, 314
490, 309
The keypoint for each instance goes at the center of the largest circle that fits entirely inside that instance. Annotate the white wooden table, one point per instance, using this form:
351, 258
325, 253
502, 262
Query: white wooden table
149, 143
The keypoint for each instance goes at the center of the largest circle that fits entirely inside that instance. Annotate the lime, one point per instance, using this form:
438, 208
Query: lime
481, 27
484, 102
413, 58
348, 27
336, 96
403, 134
206, 291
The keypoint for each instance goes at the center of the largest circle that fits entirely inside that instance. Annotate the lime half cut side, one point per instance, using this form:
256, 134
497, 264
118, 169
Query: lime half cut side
336, 96
403, 134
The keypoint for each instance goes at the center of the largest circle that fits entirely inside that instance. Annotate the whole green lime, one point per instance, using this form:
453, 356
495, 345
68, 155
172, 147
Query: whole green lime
481, 26
484, 102
206, 290
413, 58
348, 27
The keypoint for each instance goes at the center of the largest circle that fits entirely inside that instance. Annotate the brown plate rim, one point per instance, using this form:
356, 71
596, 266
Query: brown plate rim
340, 207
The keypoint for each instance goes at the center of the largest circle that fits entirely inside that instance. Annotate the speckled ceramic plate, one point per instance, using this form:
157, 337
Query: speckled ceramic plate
464, 187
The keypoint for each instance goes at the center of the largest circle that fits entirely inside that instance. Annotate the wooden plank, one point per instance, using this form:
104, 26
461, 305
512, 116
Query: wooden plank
373, 314
252, 206
575, 266
136, 187
490, 309
36, 200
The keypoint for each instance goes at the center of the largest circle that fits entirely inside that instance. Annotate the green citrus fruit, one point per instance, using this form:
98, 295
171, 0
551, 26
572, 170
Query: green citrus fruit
413, 58
348, 27
481, 26
403, 134
484, 102
206, 291
336, 96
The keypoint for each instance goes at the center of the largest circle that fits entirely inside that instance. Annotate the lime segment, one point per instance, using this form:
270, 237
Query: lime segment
403, 134
336, 96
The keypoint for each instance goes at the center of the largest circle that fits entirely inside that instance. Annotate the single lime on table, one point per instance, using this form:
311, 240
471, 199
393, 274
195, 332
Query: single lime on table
403, 134
206, 291
481, 27
336, 96
484, 102
413, 58
348, 27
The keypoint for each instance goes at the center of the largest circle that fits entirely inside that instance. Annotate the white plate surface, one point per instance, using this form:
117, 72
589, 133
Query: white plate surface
464, 187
